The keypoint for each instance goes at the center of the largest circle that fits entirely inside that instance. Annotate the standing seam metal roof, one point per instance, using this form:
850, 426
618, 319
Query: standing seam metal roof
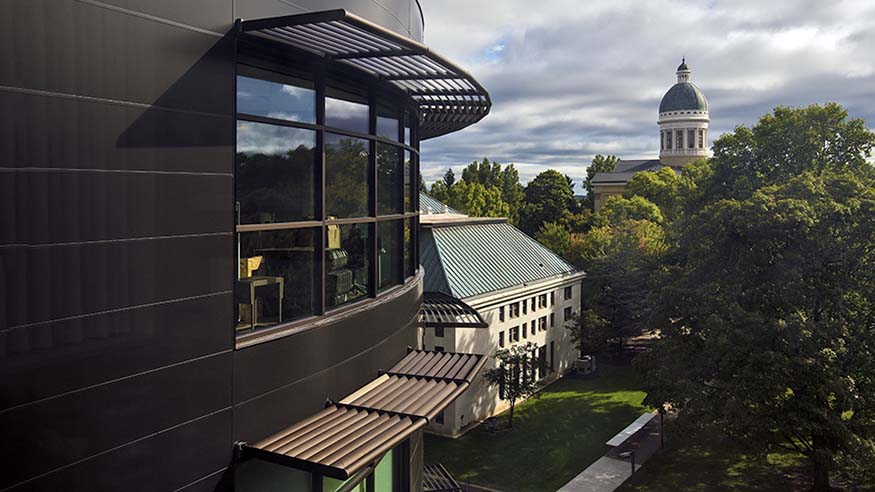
429, 205
480, 258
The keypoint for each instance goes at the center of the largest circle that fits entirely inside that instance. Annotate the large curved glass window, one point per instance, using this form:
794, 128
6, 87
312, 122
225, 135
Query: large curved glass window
326, 196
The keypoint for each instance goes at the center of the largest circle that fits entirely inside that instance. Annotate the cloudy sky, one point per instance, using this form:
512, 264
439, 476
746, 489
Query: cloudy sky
573, 78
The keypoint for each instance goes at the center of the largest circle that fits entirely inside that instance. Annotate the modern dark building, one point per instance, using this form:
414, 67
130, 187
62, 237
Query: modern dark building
209, 272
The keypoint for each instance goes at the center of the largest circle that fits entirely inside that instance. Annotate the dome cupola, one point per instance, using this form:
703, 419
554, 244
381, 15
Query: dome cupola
684, 95
683, 121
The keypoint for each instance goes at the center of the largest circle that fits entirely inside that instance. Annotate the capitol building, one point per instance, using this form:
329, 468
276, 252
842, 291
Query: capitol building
683, 137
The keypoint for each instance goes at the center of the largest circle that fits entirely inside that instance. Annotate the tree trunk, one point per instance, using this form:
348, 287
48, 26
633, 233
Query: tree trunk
822, 458
510, 423
821, 477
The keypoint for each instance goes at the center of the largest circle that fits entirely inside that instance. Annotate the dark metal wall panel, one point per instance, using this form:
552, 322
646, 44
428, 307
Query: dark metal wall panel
163, 462
117, 348
43, 436
70, 133
76, 206
401, 16
306, 390
219, 481
48, 359
268, 366
47, 283
78, 48
212, 15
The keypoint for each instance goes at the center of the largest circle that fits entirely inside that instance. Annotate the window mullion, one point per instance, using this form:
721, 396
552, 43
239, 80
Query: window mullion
373, 281
321, 268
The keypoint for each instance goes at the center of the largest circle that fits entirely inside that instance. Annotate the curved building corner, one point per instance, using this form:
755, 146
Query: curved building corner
212, 239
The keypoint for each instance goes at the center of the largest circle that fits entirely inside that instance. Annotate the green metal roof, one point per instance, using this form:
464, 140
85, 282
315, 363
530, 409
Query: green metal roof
427, 204
683, 96
469, 259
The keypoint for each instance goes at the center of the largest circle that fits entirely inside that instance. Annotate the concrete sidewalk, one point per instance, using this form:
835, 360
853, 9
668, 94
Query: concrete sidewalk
611, 470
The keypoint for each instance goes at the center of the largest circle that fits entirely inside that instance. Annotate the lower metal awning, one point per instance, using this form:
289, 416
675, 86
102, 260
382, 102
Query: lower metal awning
449, 98
440, 310
436, 478
355, 432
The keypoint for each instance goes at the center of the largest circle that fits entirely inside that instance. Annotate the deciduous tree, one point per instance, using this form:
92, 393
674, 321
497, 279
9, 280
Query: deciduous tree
513, 374
600, 164
767, 314
548, 197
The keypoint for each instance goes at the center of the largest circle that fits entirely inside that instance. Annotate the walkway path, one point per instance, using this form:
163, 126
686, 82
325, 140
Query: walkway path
611, 470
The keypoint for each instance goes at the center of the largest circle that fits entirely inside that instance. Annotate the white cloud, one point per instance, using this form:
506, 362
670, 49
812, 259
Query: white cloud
570, 79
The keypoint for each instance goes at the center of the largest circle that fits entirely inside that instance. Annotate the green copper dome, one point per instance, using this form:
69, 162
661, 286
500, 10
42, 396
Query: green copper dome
683, 96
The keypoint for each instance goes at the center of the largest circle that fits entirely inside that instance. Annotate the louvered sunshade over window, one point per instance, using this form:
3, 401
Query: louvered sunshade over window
449, 98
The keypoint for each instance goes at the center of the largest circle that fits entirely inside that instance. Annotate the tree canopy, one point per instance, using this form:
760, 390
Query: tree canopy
600, 164
767, 307
548, 197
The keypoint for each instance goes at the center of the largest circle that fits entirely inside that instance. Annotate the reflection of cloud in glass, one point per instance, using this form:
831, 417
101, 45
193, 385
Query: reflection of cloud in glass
275, 100
387, 127
296, 92
346, 114
258, 138
287, 116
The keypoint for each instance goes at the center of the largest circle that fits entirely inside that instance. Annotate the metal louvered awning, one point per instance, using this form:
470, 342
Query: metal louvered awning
352, 434
436, 478
449, 98
440, 310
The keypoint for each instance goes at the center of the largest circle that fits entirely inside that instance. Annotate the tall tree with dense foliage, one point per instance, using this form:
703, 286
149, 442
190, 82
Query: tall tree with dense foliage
513, 374
506, 179
619, 208
548, 197
473, 199
600, 164
621, 260
767, 314
555, 237
449, 178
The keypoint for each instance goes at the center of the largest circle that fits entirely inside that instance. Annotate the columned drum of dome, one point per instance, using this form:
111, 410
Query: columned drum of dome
683, 122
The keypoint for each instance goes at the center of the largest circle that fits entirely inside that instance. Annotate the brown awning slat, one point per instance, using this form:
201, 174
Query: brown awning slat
353, 433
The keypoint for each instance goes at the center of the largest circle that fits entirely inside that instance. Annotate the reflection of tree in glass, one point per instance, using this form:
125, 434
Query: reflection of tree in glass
389, 179
408, 177
346, 177
275, 188
354, 244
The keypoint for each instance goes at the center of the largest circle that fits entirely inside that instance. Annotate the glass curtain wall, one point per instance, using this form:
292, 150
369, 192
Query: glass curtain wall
325, 205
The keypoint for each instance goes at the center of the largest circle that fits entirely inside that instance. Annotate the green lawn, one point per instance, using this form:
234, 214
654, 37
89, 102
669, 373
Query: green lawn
555, 436
706, 463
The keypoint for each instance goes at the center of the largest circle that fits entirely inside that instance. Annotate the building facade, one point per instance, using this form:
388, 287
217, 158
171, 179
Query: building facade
523, 291
683, 137
211, 230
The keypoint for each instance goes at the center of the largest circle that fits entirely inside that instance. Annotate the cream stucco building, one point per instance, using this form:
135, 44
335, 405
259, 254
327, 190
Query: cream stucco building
522, 290
683, 137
